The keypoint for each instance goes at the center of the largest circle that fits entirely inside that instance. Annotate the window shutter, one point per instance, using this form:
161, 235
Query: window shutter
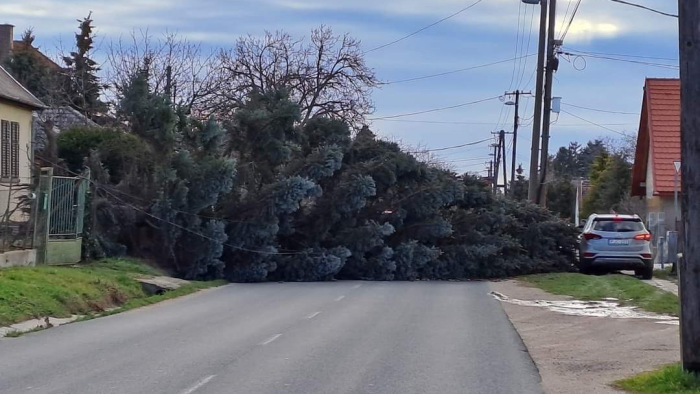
14, 148
5, 149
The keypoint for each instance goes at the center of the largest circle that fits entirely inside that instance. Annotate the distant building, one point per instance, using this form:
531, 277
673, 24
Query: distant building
658, 146
8, 45
55, 119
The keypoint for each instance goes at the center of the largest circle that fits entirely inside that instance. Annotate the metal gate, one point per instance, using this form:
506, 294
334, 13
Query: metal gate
67, 207
59, 224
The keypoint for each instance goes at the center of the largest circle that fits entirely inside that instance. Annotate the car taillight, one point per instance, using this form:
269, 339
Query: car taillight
590, 236
643, 237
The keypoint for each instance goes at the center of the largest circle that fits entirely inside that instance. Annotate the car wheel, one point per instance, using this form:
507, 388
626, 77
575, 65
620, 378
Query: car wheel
645, 273
584, 267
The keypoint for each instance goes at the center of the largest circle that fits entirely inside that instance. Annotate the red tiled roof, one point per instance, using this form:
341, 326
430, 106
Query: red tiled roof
660, 134
19, 46
663, 99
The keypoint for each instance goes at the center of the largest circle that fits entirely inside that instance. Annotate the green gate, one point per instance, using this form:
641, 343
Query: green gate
60, 220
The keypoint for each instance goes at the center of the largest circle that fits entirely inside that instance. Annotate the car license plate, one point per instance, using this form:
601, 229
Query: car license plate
619, 242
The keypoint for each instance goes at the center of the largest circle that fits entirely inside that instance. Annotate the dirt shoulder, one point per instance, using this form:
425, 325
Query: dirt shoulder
583, 354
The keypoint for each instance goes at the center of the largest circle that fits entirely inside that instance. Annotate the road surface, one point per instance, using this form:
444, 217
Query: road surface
299, 338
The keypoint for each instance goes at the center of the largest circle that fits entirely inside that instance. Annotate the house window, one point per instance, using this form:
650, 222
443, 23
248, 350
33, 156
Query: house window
9, 150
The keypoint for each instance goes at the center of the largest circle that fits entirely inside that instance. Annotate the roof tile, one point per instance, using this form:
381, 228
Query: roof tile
664, 106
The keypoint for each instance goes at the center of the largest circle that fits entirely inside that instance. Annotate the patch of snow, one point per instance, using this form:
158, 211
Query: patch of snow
589, 308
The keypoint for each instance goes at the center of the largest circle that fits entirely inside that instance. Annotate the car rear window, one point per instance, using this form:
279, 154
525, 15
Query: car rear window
618, 226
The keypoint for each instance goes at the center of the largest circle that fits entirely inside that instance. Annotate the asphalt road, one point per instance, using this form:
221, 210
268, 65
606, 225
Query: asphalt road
333, 337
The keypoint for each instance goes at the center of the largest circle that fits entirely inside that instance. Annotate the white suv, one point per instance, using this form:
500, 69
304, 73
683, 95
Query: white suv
616, 242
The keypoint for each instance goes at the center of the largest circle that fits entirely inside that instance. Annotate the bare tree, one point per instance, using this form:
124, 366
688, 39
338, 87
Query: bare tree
176, 67
326, 76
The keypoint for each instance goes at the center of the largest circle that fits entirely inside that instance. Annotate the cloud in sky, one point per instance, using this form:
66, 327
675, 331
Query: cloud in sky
483, 34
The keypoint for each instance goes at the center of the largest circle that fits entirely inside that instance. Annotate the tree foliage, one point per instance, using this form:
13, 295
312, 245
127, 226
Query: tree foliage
82, 84
26, 67
306, 201
325, 76
611, 177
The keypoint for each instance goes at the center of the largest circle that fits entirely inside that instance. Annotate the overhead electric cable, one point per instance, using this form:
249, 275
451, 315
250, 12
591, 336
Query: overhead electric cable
593, 123
424, 28
434, 109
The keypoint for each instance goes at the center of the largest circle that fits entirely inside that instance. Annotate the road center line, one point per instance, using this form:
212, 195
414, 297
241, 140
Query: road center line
340, 298
357, 286
311, 316
199, 385
271, 339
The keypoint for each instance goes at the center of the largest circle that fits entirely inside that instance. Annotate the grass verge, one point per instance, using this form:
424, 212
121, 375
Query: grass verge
628, 290
34, 292
666, 274
669, 379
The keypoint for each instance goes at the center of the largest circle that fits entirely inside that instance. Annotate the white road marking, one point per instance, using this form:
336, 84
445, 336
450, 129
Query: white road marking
357, 286
340, 298
271, 339
311, 316
199, 385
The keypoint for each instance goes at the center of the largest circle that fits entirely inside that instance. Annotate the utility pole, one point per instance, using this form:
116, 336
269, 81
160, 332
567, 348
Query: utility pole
536, 121
516, 119
497, 161
502, 142
688, 275
491, 172
494, 167
552, 65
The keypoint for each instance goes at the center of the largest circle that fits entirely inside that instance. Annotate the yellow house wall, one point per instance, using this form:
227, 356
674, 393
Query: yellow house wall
22, 115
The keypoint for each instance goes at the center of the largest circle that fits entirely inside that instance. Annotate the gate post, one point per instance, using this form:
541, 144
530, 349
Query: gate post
43, 214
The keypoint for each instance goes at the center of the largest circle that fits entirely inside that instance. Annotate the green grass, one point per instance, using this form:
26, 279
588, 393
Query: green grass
34, 292
669, 379
666, 274
628, 290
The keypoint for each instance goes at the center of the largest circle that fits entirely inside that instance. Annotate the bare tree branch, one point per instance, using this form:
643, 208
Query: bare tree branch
326, 76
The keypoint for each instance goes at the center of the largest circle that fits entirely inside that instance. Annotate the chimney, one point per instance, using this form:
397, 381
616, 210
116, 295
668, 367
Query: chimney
6, 39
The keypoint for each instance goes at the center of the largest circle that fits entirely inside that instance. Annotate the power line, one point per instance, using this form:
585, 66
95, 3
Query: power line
563, 20
519, 71
529, 37
623, 55
573, 15
435, 122
645, 8
601, 110
456, 71
467, 160
593, 123
434, 109
453, 146
660, 65
425, 27
517, 42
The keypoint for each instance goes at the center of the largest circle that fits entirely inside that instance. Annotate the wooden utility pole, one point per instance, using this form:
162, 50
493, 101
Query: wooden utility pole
552, 65
496, 165
502, 142
689, 268
537, 117
516, 119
